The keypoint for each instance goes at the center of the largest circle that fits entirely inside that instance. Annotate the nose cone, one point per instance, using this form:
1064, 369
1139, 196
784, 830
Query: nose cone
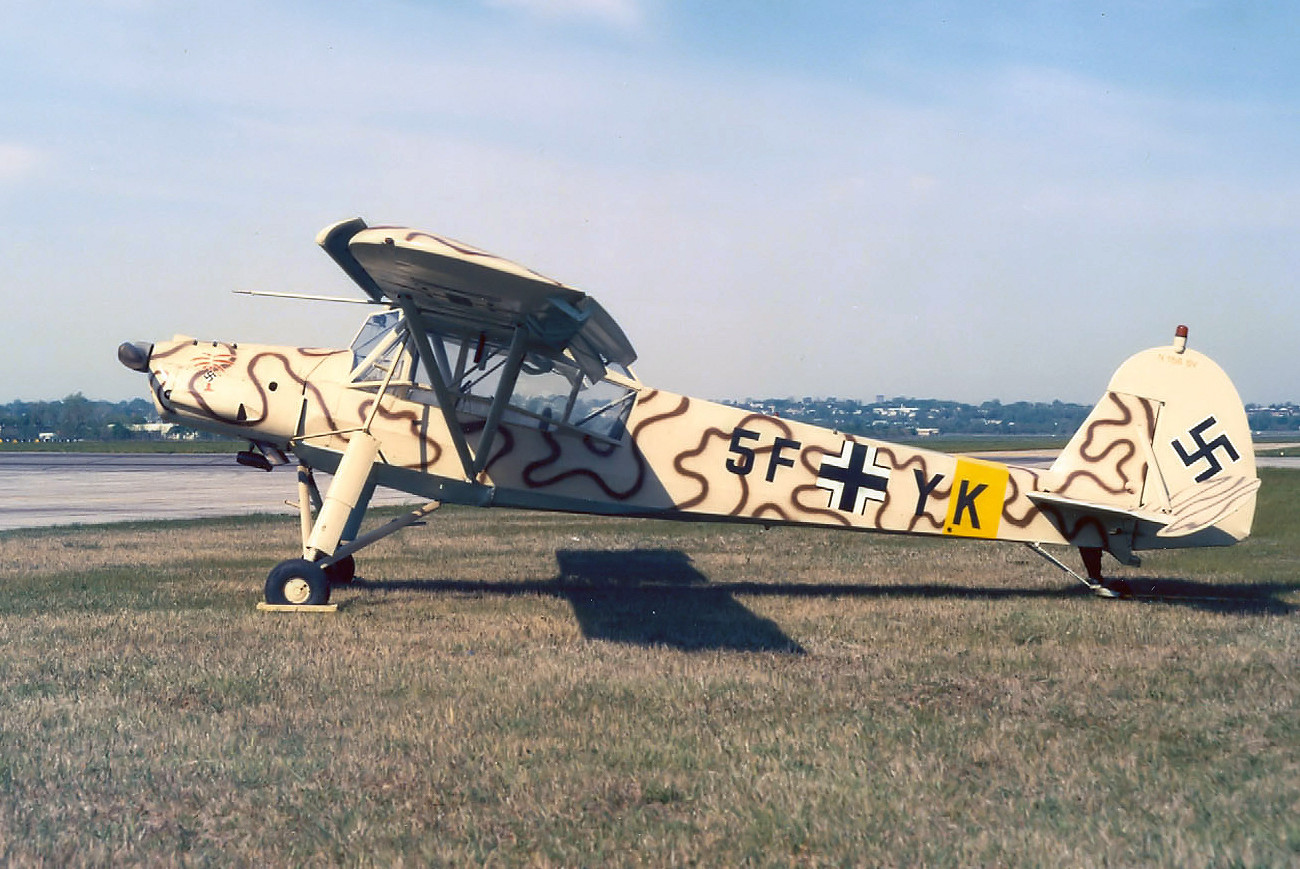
135, 355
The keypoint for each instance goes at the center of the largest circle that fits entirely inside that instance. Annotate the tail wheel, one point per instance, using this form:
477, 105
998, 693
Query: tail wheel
298, 582
341, 572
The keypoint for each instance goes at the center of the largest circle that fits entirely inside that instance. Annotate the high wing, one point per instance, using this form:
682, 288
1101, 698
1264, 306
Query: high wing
465, 293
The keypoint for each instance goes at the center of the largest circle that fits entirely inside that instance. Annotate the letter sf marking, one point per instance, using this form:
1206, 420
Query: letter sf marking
745, 463
779, 461
853, 478
975, 506
1205, 450
743, 456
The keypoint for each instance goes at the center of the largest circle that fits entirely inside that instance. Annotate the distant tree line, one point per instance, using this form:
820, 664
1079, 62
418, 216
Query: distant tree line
1274, 417
74, 418
912, 416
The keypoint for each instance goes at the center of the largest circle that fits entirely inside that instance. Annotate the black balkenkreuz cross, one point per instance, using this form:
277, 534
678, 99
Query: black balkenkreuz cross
1206, 450
852, 477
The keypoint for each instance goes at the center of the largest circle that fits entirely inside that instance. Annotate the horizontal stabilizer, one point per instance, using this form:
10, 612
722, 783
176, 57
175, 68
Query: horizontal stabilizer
1194, 509
1092, 508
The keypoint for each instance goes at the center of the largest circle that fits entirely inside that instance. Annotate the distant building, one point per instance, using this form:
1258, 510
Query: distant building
169, 431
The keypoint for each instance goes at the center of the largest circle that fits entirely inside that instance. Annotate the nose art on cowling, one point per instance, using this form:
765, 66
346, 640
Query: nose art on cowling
135, 355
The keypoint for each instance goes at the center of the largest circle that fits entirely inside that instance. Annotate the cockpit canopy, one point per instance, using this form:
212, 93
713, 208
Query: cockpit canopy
552, 391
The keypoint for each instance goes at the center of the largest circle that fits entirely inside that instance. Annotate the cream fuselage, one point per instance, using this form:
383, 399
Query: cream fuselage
677, 457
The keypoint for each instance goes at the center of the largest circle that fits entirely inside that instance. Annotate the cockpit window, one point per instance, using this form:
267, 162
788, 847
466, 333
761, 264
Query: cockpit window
372, 333
551, 392
380, 347
556, 391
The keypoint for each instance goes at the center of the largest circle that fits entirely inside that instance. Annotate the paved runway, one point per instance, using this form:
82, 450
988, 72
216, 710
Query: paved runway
43, 489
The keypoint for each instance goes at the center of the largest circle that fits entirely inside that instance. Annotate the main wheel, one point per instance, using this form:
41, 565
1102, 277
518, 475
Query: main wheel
341, 572
297, 581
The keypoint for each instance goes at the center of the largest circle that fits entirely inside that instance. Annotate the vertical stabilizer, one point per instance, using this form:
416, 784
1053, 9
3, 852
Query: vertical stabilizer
1170, 443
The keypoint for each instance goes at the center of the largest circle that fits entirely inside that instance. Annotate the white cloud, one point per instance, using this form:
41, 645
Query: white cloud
18, 162
621, 14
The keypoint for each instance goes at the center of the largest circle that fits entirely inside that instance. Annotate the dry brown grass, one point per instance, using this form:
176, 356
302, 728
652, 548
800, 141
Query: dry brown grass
501, 690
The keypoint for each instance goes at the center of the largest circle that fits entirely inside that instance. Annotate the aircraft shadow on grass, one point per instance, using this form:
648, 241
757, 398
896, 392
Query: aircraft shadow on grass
1238, 598
652, 597
1241, 598
659, 597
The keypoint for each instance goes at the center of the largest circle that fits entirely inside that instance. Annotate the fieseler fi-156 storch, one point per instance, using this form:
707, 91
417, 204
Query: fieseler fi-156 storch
481, 382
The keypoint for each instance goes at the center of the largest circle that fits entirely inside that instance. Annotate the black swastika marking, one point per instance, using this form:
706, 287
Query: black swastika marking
1206, 450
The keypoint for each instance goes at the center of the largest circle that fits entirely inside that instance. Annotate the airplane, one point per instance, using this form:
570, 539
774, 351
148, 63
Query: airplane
480, 382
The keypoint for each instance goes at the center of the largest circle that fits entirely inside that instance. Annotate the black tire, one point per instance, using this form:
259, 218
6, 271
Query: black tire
341, 572
297, 581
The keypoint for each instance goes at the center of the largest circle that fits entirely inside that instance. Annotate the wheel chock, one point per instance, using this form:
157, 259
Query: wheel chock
265, 607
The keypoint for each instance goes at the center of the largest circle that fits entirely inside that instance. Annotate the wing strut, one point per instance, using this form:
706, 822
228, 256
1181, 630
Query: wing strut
446, 401
437, 365
505, 387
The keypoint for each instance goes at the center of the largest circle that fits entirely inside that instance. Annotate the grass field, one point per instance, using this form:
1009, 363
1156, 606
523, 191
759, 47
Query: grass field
510, 688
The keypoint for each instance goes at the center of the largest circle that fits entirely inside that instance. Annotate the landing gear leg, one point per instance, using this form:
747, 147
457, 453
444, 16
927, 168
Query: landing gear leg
309, 500
330, 539
339, 571
307, 579
343, 496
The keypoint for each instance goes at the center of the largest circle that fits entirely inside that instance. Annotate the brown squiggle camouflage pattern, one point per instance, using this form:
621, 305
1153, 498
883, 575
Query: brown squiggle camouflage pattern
686, 458
1110, 464
673, 461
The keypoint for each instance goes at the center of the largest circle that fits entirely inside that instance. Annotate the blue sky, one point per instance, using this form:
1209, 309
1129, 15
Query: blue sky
970, 201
